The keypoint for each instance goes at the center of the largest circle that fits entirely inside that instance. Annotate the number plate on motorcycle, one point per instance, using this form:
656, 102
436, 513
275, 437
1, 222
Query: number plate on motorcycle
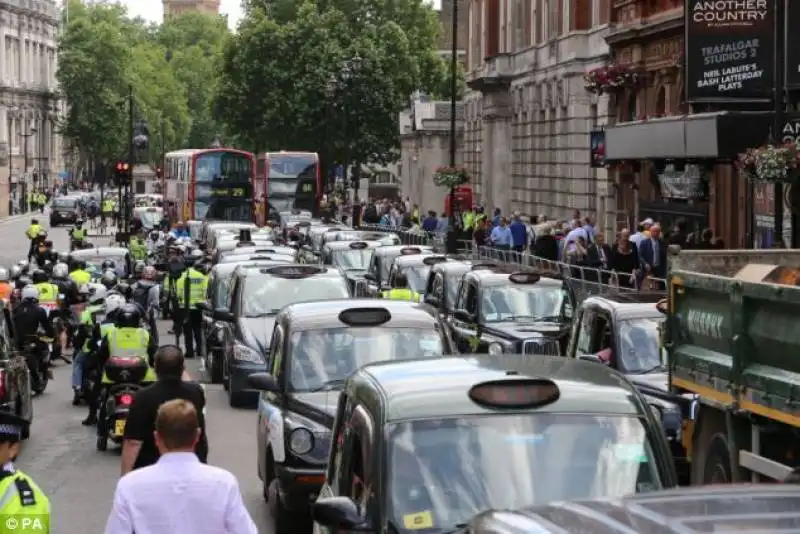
119, 427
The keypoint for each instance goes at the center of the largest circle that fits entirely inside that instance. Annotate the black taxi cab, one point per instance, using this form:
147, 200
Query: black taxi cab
497, 311
722, 508
416, 268
352, 258
444, 279
381, 264
425, 445
622, 331
314, 348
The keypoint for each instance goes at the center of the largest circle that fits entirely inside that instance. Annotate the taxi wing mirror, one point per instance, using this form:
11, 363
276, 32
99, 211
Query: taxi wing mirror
432, 300
594, 358
463, 315
339, 513
263, 382
224, 315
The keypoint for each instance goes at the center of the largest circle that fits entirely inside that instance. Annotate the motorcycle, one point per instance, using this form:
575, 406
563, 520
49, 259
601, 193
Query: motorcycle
37, 354
54, 312
126, 376
79, 244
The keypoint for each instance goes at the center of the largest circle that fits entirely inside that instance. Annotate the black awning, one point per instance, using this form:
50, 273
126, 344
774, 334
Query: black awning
720, 135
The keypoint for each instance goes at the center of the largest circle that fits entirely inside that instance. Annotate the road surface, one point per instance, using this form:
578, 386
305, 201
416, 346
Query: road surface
61, 455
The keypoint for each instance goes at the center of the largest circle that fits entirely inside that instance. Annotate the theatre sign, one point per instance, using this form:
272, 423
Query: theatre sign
729, 50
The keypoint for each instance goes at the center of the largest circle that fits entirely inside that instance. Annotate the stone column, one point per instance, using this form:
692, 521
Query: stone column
496, 163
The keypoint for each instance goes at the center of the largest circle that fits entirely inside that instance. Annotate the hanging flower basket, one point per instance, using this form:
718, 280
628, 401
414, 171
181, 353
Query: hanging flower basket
450, 176
770, 163
612, 79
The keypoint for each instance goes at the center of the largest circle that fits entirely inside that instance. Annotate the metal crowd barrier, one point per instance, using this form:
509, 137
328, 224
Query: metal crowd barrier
584, 281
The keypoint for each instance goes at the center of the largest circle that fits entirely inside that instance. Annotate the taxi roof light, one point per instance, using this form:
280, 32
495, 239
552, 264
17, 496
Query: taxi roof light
524, 278
433, 260
360, 245
515, 393
292, 271
365, 316
407, 251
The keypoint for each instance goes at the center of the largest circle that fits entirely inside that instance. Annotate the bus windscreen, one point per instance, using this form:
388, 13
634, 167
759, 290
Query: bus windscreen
224, 187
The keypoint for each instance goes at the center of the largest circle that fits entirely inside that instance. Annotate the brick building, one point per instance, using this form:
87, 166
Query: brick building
671, 159
527, 114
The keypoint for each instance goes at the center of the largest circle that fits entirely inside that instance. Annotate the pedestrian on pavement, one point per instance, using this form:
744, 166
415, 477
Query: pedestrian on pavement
21, 498
179, 494
139, 448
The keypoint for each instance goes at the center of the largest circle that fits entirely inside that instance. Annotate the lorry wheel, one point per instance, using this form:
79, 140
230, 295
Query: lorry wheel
717, 468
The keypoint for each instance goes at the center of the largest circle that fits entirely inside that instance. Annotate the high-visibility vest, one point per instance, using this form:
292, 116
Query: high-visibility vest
91, 316
128, 343
401, 293
78, 234
33, 231
198, 286
23, 500
42, 199
48, 293
80, 277
108, 206
138, 249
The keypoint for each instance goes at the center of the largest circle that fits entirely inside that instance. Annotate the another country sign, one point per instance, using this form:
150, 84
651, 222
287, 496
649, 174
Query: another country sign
729, 49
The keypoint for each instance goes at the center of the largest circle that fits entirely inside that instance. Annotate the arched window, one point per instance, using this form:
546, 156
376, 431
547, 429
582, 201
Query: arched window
661, 102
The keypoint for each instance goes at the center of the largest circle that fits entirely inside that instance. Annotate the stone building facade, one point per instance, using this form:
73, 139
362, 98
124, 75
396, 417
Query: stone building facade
528, 116
445, 15
31, 151
179, 7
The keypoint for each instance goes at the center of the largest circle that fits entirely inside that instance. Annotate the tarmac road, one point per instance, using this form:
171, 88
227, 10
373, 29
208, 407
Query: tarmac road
61, 456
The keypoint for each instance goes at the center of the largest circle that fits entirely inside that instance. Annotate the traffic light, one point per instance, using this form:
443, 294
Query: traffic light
122, 171
159, 172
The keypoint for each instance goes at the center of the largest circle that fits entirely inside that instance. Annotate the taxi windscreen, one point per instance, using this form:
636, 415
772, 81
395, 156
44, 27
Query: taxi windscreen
639, 346
320, 357
522, 301
352, 258
94, 265
444, 472
265, 294
417, 277
150, 219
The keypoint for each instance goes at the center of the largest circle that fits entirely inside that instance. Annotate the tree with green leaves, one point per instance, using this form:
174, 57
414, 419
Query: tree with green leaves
275, 71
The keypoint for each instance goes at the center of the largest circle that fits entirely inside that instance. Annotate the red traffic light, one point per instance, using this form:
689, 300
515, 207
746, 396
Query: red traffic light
119, 166
122, 167
158, 171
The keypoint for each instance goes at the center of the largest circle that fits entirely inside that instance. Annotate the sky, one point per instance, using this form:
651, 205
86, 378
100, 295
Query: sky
152, 10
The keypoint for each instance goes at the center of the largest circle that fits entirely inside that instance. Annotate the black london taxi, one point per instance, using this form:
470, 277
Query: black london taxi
416, 267
257, 294
622, 331
497, 311
219, 290
16, 395
314, 348
352, 258
381, 264
425, 445
740, 508
386, 238
444, 279
312, 247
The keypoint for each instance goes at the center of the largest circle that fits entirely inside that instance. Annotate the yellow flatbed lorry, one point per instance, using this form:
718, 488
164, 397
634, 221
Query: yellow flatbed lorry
732, 338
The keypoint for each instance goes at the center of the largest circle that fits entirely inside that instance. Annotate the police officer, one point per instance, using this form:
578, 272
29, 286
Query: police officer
87, 336
80, 275
32, 233
106, 210
19, 494
48, 292
190, 292
77, 235
138, 247
145, 294
127, 339
400, 290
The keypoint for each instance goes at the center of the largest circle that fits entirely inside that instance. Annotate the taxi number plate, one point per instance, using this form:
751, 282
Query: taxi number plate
119, 427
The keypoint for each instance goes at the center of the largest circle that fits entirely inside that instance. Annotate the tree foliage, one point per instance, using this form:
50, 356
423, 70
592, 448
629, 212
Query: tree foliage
103, 53
275, 71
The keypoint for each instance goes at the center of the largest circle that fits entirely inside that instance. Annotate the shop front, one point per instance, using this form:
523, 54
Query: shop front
681, 167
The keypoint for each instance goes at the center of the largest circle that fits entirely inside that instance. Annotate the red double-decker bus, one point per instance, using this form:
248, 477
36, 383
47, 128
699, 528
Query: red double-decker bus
293, 181
213, 184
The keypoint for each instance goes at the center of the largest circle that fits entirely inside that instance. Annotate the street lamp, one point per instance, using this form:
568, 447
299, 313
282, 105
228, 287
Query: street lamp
452, 237
330, 93
25, 137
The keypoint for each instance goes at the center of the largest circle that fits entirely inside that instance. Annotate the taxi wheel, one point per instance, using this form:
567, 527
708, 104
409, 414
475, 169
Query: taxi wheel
285, 521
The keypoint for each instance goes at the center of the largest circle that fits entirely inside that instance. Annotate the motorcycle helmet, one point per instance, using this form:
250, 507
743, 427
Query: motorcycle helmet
109, 279
42, 233
108, 265
85, 290
97, 295
30, 292
34, 221
39, 276
149, 273
124, 289
128, 317
60, 271
15, 272
203, 267
138, 268
80, 264
4, 276
23, 264
114, 302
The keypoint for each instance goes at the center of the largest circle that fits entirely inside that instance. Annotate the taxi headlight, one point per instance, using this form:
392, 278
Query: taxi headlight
301, 441
246, 354
495, 349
